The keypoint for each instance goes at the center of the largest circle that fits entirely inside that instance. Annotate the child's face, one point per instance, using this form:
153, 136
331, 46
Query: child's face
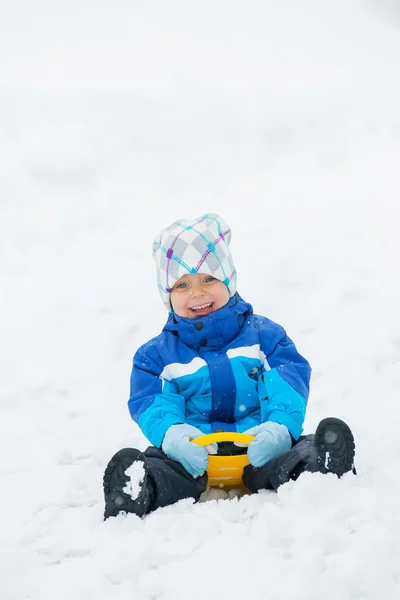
197, 295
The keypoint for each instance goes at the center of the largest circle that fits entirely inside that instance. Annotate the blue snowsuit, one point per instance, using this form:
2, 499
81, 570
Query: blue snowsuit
227, 371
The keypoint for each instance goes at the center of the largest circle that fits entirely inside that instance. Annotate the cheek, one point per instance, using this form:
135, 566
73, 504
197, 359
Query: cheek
178, 303
223, 295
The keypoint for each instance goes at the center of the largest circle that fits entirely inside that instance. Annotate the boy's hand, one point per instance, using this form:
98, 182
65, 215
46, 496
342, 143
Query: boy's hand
177, 445
272, 440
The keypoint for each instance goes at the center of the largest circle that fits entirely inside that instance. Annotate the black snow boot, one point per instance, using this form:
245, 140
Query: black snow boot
115, 480
334, 448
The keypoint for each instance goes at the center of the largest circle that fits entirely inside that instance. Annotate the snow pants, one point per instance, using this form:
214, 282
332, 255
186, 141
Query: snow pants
170, 482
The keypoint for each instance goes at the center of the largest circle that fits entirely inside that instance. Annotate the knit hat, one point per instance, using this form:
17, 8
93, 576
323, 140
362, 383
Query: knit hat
197, 246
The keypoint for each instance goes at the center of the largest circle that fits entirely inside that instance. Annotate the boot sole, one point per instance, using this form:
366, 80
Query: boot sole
115, 480
335, 447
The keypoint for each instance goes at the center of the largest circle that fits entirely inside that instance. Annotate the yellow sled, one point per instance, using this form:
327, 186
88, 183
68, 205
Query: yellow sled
225, 471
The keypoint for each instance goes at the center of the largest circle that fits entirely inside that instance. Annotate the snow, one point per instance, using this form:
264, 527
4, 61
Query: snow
135, 474
115, 120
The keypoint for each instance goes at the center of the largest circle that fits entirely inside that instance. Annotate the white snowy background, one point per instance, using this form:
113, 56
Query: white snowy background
116, 119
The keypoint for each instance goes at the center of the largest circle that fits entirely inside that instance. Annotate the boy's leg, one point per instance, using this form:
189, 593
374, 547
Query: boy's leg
171, 481
165, 482
280, 470
330, 450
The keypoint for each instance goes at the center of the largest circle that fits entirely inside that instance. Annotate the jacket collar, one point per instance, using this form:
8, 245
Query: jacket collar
214, 331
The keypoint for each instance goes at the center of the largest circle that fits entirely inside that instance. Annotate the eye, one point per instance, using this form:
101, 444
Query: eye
181, 286
209, 279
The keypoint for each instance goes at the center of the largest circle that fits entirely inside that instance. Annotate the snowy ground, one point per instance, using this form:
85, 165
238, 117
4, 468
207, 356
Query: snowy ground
115, 119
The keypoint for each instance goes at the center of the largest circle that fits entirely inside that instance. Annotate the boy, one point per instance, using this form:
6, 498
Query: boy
216, 367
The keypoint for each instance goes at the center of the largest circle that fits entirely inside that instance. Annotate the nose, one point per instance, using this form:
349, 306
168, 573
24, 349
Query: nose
197, 290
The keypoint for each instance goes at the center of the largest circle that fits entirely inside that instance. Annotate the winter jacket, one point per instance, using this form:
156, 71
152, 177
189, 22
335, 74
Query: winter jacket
227, 371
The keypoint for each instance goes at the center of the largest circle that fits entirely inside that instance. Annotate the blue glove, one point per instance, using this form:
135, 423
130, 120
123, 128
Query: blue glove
177, 445
272, 440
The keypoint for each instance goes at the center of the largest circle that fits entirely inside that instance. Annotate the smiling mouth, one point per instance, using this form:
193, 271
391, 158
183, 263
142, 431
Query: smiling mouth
201, 307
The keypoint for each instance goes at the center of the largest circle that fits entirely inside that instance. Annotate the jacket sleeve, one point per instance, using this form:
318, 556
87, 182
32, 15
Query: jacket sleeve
283, 384
154, 402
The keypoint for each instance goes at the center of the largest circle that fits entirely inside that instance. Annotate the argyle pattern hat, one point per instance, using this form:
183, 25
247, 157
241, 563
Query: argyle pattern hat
197, 246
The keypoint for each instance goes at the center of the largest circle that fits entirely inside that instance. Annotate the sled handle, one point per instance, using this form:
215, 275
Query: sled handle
223, 436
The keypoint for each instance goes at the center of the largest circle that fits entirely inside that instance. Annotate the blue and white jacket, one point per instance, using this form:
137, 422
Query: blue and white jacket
227, 371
